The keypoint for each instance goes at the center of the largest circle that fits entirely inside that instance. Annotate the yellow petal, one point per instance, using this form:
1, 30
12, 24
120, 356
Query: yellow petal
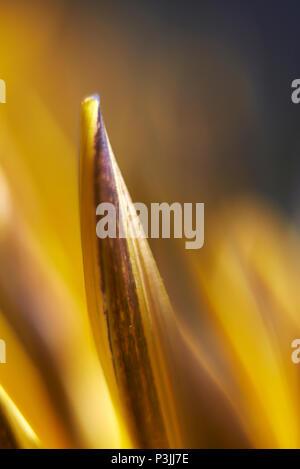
246, 282
125, 308
15, 432
163, 393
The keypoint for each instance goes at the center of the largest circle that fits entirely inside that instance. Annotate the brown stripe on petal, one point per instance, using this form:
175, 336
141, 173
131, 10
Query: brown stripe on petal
124, 317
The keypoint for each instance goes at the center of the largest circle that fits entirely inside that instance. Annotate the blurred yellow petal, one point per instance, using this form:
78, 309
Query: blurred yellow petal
254, 321
49, 324
14, 429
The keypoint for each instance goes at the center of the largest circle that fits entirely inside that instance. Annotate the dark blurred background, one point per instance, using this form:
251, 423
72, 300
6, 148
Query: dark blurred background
204, 86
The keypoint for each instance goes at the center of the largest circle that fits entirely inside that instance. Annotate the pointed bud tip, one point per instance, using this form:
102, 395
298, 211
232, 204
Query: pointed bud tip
93, 97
